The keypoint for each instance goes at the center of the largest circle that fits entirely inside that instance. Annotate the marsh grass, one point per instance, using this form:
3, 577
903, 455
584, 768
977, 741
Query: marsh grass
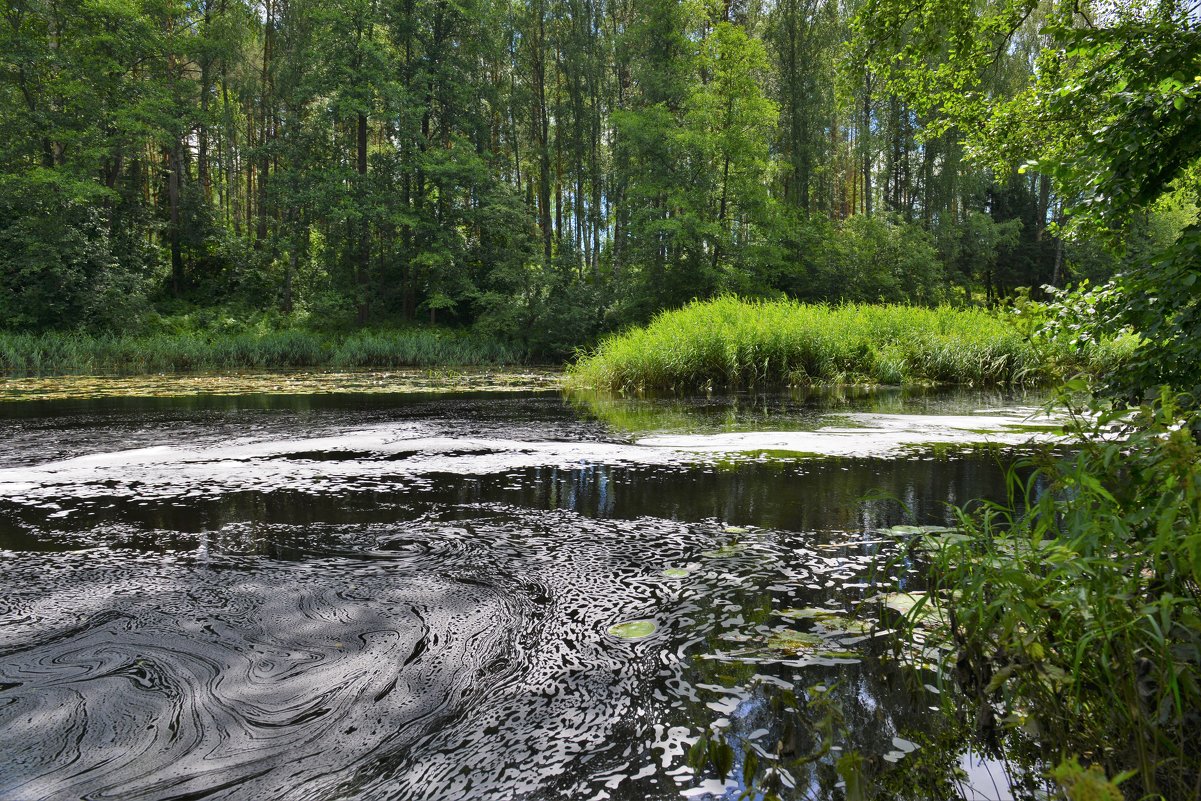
731, 343
67, 353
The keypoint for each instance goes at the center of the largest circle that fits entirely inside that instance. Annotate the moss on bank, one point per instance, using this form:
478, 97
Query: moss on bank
728, 343
66, 353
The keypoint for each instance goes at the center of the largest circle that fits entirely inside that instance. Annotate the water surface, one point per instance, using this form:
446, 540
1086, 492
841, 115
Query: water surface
410, 595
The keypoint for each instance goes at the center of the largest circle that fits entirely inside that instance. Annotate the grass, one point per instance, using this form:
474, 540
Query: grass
66, 353
732, 343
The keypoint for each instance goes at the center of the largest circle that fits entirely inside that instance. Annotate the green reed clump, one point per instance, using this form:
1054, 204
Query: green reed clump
730, 342
69, 353
1074, 610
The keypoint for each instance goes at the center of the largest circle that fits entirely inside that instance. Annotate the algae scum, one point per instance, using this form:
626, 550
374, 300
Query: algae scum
489, 595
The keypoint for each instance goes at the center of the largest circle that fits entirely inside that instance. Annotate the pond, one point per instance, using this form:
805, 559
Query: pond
356, 589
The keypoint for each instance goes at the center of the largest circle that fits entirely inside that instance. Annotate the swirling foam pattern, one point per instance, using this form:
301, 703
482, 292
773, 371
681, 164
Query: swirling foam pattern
380, 673
252, 614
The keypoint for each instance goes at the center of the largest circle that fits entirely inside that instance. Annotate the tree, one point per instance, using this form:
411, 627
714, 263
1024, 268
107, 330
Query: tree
1111, 113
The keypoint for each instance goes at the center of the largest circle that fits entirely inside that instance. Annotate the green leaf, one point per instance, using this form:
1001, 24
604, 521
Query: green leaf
633, 629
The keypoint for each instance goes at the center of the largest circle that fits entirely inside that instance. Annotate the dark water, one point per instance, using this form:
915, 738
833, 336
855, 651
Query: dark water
409, 597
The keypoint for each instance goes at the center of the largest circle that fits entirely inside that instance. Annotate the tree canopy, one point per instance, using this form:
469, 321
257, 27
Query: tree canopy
545, 170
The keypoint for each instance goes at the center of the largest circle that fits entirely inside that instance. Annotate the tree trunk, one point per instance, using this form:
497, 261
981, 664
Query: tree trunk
865, 139
173, 182
364, 257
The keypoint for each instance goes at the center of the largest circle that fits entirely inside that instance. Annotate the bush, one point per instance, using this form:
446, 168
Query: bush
58, 264
1077, 622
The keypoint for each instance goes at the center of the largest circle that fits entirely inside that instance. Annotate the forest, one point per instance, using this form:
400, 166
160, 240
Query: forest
874, 471
541, 172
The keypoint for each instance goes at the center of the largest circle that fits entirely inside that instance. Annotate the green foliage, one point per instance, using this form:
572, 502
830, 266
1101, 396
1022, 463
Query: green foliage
59, 265
1082, 324
547, 172
1136, 82
1085, 784
1163, 304
878, 260
1075, 609
734, 343
1110, 112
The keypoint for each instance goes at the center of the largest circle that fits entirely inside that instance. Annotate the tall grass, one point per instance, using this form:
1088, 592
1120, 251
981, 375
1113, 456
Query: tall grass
729, 342
66, 353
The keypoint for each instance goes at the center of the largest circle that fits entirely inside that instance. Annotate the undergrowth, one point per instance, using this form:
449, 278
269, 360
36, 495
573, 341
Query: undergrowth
1076, 623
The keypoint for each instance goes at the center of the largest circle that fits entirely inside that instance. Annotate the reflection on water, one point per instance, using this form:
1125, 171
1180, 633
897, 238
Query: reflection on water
409, 598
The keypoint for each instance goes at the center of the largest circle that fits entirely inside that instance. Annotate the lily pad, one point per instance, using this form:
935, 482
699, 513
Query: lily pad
809, 613
799, 643
908, 531
795, 641
677, 572
903, 603
634, 629
835, 623
935, 541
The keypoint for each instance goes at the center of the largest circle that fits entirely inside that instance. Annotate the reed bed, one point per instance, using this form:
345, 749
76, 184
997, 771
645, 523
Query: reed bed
58, 353
731, 343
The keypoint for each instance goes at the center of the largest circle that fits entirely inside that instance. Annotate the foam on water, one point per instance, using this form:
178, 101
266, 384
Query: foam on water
372, 674
397, 606
872, 435
389, 453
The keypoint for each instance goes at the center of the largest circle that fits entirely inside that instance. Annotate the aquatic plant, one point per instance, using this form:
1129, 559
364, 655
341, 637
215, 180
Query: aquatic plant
1074, 610
633, 629
730, 343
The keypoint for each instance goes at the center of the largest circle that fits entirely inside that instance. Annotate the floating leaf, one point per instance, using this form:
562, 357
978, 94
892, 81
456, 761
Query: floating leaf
676, 572
735, 530
809, 612
837, 623
903, 602
940, 540
634, 629
908, 531
795, 641
800, 643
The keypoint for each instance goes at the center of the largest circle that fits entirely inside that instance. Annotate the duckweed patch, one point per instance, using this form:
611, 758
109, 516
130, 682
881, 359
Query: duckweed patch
831, 621
792, 643
291, 383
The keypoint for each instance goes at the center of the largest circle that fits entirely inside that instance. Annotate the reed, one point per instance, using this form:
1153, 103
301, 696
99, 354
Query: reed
70, 353
733, 343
